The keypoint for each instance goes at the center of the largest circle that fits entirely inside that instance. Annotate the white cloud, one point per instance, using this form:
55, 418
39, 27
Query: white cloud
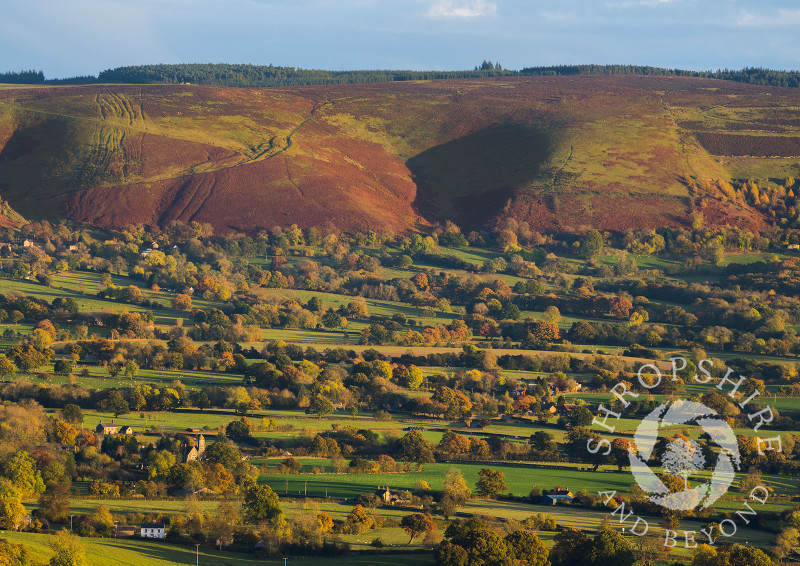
462, 9
783, 17
629, 3
559, 16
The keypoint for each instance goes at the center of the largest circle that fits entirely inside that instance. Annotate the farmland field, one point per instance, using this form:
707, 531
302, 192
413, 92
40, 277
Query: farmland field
101, 552
520, 480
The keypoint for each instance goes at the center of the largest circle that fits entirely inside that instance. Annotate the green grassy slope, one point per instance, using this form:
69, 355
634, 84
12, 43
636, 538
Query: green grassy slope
109, 552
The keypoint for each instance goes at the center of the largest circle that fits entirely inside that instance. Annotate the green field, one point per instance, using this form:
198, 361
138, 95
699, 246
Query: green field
99, 378
109, 552
520, 480
89, 302
297, 420
566, 517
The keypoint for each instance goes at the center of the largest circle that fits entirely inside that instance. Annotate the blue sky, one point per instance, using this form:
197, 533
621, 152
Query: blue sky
74, 37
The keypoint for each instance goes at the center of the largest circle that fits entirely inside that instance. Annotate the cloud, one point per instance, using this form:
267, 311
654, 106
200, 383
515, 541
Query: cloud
559, 16
462, 9
629, 3
783, 17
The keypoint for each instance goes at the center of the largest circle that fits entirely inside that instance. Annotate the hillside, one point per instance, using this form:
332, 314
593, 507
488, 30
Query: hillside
557, 152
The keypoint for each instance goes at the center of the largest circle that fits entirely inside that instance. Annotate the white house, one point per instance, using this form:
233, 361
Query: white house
153, 530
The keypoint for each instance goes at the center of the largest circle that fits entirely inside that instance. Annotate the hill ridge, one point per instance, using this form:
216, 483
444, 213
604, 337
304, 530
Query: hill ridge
611, 151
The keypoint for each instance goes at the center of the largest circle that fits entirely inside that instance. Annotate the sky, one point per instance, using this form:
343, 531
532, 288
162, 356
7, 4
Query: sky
83, 37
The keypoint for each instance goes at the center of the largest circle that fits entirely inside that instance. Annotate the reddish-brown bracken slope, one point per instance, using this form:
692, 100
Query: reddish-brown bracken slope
558, 152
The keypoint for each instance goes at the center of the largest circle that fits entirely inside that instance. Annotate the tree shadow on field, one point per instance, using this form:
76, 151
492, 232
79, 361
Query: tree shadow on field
470, 179
175, 553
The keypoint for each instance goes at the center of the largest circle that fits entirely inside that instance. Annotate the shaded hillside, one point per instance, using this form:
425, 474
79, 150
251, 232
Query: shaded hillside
558, 152
457, 179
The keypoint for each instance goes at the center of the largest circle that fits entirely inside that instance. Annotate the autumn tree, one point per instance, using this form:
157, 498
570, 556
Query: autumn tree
481, 546
649, 549
7, 367
740, 555
453, 443
114, 403
224, 453
528, 548
591, 245
54, 503
12, 554
449, 554
131, 369
571, 547
182, 302
543, 331
62, 367
358, 521
455, 487
69, 550
319, 406
542, 440
12, 512
325, 522
414, 448
620, 452
222, 526
621, 307
410, 376
21, 469
261, 505
103, 520
610, 548
490, 482
578, 416
552, 314
785, 542
457, 403
417, 525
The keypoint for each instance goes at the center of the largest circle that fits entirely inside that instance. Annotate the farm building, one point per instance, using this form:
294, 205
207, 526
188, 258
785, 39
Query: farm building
391, 496
126, 430
106, 428
549, 408
125, 531
556, 495
153, 530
